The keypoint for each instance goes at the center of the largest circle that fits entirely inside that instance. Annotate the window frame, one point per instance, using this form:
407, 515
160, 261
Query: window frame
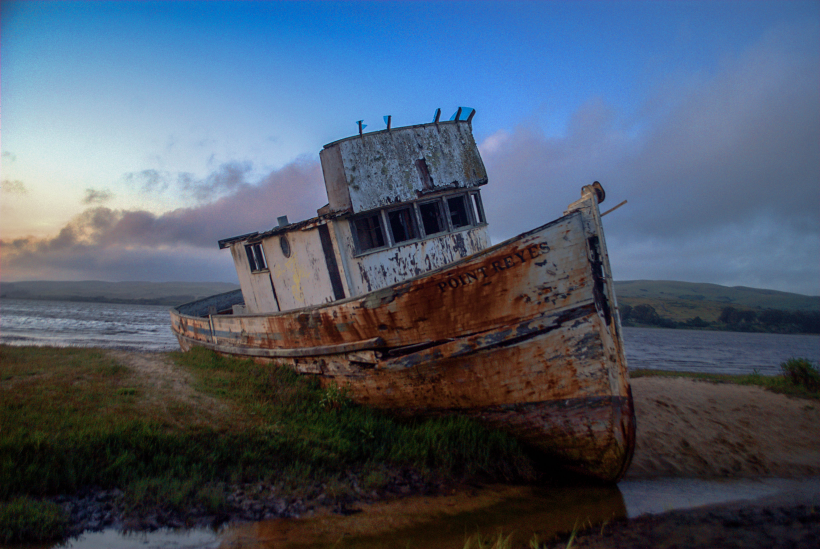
442, 216
473, 209
256, 257
411, 216
381, 228
476, 208
469, 221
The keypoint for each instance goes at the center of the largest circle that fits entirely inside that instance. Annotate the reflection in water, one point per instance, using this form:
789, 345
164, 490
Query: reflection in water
444, 521
447, 521
161, 539
667, 494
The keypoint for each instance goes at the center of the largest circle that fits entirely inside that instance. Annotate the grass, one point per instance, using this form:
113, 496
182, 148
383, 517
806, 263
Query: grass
799, 378
25, 520
73, 418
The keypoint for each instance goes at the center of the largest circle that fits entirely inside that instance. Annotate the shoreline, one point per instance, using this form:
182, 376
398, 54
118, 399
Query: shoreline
787, 519
776, 452
687, 429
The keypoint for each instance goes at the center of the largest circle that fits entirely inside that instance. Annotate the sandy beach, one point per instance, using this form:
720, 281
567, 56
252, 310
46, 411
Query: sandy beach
701, 429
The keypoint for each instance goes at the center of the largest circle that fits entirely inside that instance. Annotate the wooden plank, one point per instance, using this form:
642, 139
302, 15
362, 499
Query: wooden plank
322, 350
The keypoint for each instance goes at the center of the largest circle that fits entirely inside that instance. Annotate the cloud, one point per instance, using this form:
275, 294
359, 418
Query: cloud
13, 187
85, 247
93, 196
721, 173
149, 181
227, 178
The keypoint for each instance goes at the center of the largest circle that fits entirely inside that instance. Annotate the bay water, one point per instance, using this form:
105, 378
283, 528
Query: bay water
148, 328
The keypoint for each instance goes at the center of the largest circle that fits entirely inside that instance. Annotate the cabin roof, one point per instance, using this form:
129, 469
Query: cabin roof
398, 128
304, 225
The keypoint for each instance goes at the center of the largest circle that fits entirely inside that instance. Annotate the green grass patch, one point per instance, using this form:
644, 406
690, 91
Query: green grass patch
73, 418
321, 427
799, 378
25, 520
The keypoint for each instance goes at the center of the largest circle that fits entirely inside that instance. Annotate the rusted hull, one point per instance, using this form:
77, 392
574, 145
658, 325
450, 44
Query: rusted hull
524, 336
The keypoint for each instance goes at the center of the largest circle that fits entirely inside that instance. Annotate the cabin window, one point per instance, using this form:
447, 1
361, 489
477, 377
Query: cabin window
284, 245
458, 211
256, 258
478, 209
402, 224
432, 217
428, 217
368, 231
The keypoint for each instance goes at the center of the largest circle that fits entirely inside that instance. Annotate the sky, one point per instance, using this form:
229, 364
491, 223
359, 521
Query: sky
137, 134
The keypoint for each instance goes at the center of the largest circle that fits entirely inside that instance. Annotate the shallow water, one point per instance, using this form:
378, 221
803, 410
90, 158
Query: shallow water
447, 521
715, 352
80, 324
148, 328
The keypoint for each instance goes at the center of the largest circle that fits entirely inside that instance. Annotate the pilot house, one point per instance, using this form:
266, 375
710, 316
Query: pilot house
401, 202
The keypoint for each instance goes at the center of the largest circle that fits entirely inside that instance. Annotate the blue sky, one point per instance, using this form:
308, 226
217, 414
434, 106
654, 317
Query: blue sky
136, 134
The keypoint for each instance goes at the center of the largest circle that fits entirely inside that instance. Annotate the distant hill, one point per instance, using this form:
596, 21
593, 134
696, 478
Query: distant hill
146, 293
681, 301
670, 304
701, 292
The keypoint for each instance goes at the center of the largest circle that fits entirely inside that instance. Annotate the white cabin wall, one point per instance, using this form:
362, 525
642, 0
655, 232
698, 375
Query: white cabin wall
384, 268
256, 287
302, 279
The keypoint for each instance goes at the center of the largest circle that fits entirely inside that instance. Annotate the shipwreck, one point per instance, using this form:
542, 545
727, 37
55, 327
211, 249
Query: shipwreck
394, 291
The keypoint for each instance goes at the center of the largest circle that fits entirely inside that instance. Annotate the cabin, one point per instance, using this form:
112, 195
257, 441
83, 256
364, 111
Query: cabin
401, 202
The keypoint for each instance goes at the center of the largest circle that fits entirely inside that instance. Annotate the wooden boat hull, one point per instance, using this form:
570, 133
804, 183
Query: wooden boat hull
523, 336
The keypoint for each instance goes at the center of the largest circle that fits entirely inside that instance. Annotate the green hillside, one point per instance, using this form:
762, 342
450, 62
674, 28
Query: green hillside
149, 293
694, 305
738, 296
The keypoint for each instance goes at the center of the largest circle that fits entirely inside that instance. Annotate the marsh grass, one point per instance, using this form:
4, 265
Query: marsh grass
799, 378
24, 519
322, 428
74, 418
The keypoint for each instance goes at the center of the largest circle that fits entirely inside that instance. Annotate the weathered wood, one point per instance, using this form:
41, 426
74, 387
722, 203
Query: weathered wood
321, 350
613, 208
523, 336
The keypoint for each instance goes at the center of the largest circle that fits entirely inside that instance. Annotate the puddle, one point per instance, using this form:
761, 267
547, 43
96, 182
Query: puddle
161, 539
439, 522
669, 494
447, 521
